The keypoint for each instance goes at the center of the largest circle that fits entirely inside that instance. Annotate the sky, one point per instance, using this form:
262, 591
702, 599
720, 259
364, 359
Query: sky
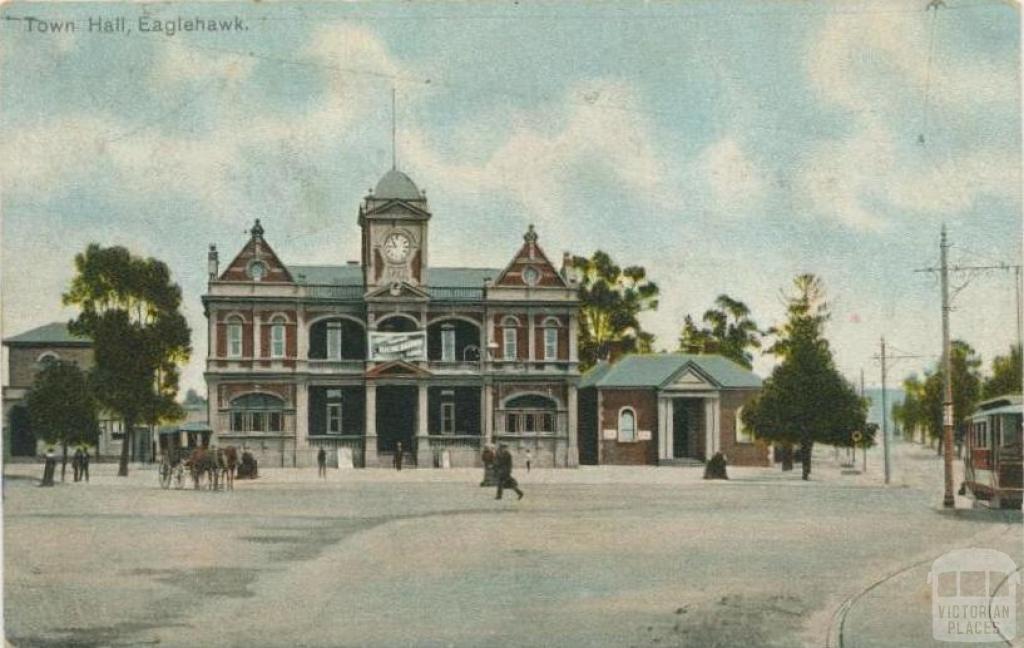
724, 146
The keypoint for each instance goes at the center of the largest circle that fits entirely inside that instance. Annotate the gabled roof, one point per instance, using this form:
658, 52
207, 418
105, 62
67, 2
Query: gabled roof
54, 333
530, 255
256, 249
658, 369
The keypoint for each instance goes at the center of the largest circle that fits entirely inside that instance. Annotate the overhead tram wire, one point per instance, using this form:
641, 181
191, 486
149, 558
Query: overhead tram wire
932, 4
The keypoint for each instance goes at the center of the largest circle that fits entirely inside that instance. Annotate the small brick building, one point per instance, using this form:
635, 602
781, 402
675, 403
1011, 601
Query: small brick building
667, 408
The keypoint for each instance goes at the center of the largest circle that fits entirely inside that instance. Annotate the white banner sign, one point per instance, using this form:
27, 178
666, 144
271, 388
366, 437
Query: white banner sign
398, 346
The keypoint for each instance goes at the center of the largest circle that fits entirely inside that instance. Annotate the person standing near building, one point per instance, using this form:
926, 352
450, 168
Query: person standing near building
76, 464
529, 459
398, 457
503, 466
85, 464
49, 467
487, 456
321, 463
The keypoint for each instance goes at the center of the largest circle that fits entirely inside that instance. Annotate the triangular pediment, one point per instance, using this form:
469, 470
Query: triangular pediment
398, 291
397, 369
530, 268
397, 209
257, 252
690, 378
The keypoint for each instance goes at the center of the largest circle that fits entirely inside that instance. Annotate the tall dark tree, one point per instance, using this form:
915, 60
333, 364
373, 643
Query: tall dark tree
1006, 375
61, 408
129, 307
966, 390
912, 414
611, 301
806, 400
729, 331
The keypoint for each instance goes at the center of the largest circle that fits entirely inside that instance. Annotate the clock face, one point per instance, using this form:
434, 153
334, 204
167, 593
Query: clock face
397, 247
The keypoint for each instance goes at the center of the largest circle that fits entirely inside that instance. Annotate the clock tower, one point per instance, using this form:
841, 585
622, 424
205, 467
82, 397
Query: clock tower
394, 218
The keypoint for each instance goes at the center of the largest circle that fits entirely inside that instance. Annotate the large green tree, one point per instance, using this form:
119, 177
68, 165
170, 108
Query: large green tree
911, 414
806, 400
611, 301
1006, 375
729, 331
129, 307
966, 390
61, 408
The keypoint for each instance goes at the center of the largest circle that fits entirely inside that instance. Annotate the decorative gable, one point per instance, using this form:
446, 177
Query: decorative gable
531, 268
690, 378
397, 291
257, 262
397, 369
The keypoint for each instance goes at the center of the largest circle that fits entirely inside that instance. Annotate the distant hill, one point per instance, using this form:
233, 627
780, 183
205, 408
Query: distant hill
892, 396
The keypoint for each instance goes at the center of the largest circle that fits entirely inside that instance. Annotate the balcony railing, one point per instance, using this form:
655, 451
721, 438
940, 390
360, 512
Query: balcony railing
346, 293
456, 294
455, 366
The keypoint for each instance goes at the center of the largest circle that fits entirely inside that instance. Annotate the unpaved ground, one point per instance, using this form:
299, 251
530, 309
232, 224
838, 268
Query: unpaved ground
599, 557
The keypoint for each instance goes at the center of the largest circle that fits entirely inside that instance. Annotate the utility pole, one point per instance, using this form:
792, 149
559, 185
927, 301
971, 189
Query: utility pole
948, 415
947, 378
885, 422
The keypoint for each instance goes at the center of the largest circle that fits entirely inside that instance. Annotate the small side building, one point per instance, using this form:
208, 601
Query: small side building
665, 409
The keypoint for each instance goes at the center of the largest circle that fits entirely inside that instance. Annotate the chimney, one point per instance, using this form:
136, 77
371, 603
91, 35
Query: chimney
211, 262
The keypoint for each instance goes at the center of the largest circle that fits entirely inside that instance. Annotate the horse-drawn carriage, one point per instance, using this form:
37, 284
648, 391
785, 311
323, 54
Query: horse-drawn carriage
209, 467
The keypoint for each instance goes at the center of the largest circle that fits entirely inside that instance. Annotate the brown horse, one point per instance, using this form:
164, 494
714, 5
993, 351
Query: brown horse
227, 462
203, 461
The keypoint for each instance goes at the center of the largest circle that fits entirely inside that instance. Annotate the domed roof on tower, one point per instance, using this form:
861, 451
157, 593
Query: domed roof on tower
395, 185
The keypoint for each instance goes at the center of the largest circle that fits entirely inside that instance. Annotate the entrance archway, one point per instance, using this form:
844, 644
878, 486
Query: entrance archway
23, 442
396, 417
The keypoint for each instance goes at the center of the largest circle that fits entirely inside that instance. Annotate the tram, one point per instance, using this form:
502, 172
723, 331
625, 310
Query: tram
992, 460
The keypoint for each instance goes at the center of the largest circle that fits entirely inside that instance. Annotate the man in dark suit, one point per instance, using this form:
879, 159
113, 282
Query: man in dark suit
503, 467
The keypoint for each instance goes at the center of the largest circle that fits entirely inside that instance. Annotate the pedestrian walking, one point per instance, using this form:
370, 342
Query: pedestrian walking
85, 464
49, 467
487, 456
321, 462
503, 466
76, 464
529, 459
398, 457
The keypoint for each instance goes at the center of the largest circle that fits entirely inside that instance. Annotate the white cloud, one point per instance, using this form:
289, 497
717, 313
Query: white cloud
736, 183
874, 67
594, 123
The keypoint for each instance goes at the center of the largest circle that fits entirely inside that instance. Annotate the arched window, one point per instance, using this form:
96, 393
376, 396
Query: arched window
627, 425
510, 338
277, 337
257, 413
334, 340
234, 337
47, 357
551, 339
530, 414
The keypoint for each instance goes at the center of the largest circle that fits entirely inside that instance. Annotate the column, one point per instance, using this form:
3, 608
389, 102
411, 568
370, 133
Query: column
573, 333
211, 341
488, 413
424, 453
301, 337
370, 428
664, 431
709, 426
302, 425
573, 454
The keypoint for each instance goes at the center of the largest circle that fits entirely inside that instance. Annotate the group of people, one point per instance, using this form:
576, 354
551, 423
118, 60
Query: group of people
79, 465
497, 467
498, 470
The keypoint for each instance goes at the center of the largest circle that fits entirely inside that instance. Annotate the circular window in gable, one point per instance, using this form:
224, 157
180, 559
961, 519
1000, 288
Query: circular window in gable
257, 270
531, 276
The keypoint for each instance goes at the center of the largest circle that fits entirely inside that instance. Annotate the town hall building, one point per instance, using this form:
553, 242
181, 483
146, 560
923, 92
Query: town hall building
390, 352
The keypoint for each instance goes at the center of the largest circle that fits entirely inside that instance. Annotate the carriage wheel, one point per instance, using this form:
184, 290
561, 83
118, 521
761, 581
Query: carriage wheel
165, 475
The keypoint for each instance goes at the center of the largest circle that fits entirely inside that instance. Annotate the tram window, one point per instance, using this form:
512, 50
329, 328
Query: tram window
947, 584
998, 583
972, 583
